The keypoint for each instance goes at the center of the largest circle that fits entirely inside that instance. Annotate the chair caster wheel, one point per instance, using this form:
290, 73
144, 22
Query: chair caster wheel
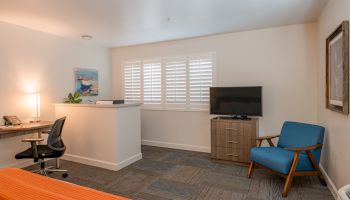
65, 175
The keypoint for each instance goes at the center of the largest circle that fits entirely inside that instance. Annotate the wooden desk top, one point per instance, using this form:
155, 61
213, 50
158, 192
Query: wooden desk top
25, 127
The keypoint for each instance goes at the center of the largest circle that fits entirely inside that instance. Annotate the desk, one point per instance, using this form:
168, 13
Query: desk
24, 129
10, 142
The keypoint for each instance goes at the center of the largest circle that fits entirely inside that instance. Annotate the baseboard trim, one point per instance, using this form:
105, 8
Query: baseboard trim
330, 183
176, 146
20, 164
101, 163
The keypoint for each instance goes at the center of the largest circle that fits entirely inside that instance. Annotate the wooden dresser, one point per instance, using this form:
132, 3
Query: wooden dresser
232, 139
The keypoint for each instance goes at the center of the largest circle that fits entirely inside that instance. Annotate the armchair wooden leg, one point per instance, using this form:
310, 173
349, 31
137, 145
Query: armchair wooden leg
251, 169
290, 176
316, 167
321, 178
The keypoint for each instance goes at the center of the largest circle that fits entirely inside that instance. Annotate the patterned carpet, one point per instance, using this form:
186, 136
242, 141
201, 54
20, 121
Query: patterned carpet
176, 174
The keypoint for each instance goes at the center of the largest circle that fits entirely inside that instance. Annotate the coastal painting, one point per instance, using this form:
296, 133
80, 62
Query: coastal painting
86, 81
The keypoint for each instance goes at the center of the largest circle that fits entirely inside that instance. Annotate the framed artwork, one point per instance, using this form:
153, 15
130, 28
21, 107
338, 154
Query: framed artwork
86, 81
337, 69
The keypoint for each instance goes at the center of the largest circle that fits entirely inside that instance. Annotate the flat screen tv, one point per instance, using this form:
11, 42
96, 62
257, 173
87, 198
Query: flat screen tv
236, 101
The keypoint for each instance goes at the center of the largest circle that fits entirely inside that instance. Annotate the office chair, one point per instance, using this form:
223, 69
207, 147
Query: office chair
55, 148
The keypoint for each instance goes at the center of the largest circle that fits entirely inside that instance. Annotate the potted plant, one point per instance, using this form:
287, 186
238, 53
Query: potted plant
73, 98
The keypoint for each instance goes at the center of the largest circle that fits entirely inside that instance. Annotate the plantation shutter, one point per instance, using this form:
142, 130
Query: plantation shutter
132, 81
201, 78
152, 82
175, 81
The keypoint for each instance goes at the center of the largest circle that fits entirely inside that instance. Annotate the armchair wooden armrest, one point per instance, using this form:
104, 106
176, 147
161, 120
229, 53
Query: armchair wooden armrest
308, 148
268, 138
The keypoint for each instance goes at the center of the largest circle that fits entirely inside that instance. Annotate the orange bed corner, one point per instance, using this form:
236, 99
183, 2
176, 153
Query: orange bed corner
18, 184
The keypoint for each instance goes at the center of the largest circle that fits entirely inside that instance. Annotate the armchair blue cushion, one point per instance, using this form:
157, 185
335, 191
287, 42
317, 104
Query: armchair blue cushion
293, 134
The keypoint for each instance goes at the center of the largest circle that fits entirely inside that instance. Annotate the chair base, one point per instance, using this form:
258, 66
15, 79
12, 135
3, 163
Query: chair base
48, 170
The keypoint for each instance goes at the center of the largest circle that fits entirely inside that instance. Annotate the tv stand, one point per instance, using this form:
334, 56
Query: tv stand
232, 138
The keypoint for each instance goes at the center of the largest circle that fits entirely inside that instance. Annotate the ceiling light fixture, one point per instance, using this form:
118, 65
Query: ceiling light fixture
86, 37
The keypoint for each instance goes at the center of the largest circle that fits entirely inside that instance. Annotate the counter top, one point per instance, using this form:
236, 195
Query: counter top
99, 105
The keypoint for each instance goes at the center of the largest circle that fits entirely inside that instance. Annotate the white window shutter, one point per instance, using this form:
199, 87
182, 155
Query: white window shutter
170, 83
152, 82
175, 81
132, 81
201, 78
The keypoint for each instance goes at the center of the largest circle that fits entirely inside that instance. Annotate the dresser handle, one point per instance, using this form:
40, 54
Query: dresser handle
232, 129
232, 155
234, 142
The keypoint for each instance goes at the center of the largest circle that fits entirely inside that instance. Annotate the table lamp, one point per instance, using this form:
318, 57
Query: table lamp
34, 103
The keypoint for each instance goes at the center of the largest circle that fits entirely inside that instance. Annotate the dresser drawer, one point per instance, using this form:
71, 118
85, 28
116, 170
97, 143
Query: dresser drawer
227, 140
234, 128
234, 143
237, 155
226, 127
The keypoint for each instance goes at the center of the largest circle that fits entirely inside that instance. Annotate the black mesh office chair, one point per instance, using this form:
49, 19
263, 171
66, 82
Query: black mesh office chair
55, 148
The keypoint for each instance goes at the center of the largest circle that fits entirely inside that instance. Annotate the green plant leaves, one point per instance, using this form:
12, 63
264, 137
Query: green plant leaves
73, 98
76, 95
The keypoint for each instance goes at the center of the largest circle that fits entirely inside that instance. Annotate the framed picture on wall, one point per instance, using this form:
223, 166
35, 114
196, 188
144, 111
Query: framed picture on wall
86, 81
337, 69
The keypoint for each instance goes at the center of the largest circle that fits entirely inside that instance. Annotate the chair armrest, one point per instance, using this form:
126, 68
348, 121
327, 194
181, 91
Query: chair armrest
308, 148
268, 138
33, 140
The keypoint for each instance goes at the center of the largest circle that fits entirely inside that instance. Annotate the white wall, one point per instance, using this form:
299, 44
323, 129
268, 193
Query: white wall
35, 60
335, 159
31, 60
282, 60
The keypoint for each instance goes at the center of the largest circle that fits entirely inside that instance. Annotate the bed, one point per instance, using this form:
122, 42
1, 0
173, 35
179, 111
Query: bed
23, 185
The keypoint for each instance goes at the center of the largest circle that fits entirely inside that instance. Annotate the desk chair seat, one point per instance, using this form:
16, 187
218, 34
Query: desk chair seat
55, 148
44, 151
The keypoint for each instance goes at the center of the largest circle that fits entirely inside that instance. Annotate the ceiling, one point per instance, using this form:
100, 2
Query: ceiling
115, 23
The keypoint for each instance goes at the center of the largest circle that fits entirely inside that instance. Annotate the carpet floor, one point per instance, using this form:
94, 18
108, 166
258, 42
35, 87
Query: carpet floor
164, 174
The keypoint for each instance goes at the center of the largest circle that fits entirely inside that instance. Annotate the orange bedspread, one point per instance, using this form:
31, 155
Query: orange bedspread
23, 185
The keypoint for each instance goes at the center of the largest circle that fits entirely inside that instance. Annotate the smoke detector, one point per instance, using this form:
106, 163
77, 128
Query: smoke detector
86, 37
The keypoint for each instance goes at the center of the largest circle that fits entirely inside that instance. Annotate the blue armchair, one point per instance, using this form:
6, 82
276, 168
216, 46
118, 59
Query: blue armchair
297, 153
